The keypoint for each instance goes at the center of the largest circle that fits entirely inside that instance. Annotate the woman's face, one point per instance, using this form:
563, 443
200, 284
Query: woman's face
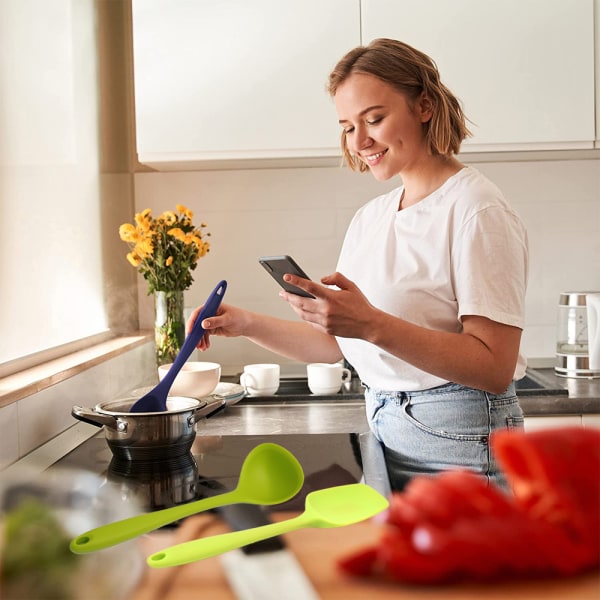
382, 129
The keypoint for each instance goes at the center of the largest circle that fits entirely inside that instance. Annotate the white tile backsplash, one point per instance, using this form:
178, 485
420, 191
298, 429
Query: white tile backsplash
305, 211
9, 435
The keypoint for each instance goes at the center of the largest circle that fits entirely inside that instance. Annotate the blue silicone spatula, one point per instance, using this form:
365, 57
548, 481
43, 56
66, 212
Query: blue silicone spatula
156, 399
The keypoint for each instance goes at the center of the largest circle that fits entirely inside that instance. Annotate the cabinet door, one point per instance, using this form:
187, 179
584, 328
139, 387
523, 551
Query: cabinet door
591, 420
524, 69
235, 79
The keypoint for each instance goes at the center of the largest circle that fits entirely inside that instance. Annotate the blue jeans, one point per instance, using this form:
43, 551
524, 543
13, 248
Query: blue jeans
447, 427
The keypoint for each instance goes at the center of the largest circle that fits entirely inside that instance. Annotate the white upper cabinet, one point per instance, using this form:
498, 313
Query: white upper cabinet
237, 79
523, 69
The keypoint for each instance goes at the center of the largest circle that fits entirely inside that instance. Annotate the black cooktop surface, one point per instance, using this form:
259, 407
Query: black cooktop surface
214, 464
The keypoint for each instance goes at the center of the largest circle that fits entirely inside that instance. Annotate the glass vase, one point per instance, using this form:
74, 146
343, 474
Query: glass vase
169, 325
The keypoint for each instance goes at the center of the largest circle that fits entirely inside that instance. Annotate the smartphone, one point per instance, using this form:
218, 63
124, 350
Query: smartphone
278, 266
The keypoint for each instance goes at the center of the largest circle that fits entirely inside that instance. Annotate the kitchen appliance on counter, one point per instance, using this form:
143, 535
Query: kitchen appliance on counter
578, 335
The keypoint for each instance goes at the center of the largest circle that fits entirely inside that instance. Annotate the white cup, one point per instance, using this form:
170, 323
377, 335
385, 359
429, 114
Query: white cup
324, 378
260, 379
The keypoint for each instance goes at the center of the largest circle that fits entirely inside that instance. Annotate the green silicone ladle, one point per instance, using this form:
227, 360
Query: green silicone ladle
270, 475
331, 507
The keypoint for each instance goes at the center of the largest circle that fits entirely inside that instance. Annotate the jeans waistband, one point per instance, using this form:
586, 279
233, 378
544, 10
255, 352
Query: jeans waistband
446, 388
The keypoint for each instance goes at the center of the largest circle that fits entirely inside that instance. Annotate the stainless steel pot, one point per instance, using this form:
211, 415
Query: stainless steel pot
152, 435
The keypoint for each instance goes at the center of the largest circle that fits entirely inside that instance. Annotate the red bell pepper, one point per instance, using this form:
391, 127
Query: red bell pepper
456, 526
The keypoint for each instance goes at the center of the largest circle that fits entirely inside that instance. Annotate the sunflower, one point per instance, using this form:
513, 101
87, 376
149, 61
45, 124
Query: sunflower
166, 249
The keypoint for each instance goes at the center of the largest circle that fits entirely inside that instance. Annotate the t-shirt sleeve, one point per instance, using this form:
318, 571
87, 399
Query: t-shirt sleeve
490, 266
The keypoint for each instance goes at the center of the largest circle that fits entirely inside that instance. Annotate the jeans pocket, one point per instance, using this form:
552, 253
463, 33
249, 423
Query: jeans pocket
506, 413
515, 422
449, 432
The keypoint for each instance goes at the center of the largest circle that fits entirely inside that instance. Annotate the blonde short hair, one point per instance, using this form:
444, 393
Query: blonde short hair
412, 73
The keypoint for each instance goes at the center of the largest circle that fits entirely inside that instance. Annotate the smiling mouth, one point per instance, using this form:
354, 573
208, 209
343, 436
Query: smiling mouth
372, 159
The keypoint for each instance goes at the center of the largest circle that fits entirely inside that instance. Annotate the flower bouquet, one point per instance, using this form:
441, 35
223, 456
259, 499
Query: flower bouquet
165, 250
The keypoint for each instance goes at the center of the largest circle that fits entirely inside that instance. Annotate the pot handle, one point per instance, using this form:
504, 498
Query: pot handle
93, 418
211, 409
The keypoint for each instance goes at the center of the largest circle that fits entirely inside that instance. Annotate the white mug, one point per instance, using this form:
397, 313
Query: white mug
325, 378
260, 379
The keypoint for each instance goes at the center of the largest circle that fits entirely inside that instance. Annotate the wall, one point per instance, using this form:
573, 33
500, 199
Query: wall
304, 212
99, 94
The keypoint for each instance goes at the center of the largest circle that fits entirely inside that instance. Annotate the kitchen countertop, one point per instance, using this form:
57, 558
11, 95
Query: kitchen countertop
345, 412
256, 417
342, 414
583, 396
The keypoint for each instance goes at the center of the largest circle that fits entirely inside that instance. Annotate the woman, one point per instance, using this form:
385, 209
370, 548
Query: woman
427, 302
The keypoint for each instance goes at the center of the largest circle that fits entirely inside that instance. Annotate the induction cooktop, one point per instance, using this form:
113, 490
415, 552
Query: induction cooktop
214, 463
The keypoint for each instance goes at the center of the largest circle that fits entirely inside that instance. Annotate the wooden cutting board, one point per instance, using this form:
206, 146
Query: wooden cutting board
317, 551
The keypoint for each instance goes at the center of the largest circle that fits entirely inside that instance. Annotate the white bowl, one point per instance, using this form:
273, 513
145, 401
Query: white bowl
195, 380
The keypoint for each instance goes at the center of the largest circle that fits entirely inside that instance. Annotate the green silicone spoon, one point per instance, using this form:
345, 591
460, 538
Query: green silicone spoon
331, 507
270, 475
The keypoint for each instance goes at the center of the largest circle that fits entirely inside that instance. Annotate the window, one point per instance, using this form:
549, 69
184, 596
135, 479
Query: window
51, 269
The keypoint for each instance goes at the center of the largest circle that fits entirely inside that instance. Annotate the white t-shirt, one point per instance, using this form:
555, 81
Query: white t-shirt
462, 250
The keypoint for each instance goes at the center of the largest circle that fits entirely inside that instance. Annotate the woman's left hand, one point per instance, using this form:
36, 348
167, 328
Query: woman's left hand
344, 312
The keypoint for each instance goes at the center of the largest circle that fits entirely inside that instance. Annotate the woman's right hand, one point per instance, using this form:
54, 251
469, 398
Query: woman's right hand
229, 321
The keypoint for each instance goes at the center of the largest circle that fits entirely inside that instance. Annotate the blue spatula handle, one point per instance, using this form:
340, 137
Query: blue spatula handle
191, 341
208, 310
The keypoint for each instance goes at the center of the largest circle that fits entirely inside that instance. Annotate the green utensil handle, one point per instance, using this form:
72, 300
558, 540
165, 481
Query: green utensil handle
188, 552
127, 529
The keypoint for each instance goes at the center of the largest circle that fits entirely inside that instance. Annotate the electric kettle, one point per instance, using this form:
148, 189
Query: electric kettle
578, 335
